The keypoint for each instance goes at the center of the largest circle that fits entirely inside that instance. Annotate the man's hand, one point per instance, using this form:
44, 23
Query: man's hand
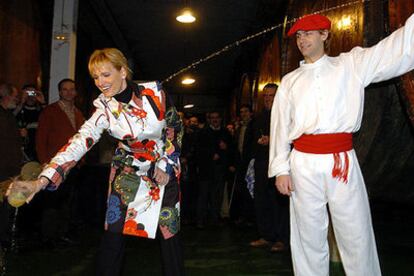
222, 145
216, 157
40, 97
161, 177
284, 184
23, 132
263, 140
183, 160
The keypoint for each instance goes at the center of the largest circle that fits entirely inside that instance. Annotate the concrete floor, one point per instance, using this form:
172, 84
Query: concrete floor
220, 250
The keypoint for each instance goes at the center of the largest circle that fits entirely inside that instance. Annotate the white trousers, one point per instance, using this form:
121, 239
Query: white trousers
349, 208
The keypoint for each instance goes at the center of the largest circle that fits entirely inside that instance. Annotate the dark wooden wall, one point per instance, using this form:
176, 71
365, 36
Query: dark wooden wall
25, 28
19, 43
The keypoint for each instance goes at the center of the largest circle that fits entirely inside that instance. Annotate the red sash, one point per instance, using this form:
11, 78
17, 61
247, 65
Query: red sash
328, 143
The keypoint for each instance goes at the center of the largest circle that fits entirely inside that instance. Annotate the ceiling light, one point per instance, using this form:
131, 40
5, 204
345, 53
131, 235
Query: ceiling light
61, 36
188, 81
188, 106
186, 17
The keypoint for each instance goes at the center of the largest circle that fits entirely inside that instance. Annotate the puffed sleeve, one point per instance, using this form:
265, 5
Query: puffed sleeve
67, 157
172, 137
391, 57
279, 144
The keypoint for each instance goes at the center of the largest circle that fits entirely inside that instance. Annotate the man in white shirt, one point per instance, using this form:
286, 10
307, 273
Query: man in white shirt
317, 108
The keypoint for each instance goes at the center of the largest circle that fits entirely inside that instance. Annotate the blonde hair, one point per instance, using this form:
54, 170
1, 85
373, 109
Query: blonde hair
111, 55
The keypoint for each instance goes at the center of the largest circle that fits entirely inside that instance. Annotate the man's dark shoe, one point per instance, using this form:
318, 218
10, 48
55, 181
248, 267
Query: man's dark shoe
259, 243
278, 247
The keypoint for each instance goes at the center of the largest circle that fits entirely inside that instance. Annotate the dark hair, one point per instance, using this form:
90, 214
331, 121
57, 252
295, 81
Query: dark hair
214, 111
327, 42
270, 85
248, 106
28, 85
63, 81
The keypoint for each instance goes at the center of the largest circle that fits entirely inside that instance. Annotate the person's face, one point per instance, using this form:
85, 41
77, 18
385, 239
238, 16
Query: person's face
311, 44
245, 114
109, 80
230, 128
31, 99
13, 99
215, 119
193, 121
268, 97
67, 91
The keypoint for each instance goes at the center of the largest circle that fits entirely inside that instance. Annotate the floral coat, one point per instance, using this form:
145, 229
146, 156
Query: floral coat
149, 131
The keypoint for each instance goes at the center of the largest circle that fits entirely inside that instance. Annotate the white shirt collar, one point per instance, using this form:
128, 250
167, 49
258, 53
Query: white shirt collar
317, 63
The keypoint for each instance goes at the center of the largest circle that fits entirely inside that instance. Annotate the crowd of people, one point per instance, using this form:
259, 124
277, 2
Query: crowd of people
216, 159
34, 131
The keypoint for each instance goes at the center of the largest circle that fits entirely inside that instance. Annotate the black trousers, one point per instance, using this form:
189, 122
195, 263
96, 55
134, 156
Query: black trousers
58, 208
272, 208
242, 206
111, 255
188, 186
210, 194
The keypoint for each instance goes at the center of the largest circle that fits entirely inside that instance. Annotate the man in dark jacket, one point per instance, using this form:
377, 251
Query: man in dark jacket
214, 153
189, 171
242, 209
272, 208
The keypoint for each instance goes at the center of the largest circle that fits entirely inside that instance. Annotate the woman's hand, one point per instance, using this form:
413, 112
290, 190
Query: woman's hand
26, 189
161, 177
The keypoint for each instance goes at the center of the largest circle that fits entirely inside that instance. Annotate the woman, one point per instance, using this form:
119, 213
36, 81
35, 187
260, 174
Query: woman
143, 187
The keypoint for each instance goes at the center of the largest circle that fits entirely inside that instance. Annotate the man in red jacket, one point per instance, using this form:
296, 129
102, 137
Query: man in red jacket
57, 123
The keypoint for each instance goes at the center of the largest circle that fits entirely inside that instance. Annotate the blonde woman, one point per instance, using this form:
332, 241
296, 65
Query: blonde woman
143, 197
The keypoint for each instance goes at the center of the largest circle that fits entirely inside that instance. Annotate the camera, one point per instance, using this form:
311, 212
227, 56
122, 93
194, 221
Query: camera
31, 92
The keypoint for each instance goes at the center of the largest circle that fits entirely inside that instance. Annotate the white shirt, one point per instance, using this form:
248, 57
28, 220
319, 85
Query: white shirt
327, 96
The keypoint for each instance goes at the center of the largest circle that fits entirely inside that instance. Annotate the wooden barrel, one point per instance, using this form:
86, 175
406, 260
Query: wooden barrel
246, 90
268, 70
241, 95
385, 143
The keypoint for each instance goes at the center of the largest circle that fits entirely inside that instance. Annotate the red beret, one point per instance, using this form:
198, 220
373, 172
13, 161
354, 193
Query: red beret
309, 23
